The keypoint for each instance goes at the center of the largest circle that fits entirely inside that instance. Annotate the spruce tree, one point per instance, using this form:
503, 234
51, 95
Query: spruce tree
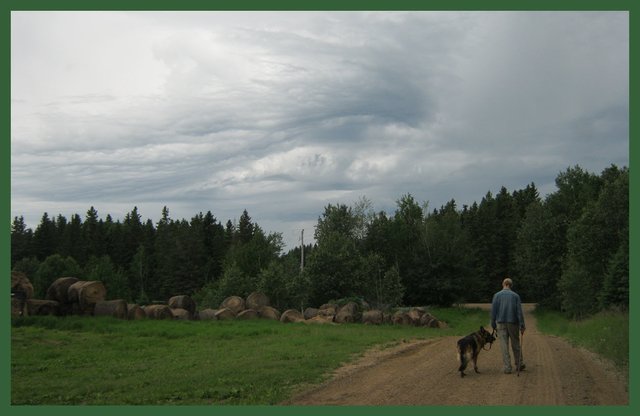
45, 241
21, 240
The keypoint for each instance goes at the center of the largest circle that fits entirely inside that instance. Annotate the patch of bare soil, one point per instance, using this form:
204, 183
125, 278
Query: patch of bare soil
425, 373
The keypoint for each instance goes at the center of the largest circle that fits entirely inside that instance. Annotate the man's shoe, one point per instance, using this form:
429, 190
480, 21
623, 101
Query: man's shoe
522, 367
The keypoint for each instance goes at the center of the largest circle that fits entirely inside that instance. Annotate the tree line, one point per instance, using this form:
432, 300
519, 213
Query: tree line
568, 251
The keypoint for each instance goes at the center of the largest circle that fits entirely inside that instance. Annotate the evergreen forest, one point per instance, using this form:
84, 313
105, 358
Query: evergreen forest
568, 251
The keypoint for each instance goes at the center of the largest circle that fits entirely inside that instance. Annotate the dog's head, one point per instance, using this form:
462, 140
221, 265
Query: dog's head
487, 336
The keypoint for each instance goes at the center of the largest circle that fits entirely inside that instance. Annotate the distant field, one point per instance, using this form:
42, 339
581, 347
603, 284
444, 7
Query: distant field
84, 360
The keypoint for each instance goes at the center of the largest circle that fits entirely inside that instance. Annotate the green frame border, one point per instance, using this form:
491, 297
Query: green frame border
339, 5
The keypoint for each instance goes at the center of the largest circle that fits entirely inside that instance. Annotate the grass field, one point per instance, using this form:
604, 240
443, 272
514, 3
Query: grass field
85, 360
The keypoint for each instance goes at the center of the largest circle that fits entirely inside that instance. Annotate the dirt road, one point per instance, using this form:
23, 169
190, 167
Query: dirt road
425, 373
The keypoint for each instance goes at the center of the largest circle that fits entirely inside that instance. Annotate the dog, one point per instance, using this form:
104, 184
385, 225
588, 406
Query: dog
469, 347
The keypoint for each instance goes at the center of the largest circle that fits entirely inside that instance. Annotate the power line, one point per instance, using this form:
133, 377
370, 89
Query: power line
302, 250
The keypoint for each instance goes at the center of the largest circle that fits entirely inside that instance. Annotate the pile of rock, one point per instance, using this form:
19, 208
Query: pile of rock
70, 295
21, 292
65, 296
256, 306
352, 312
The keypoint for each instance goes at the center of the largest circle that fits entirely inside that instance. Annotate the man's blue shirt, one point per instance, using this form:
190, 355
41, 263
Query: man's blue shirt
506, 308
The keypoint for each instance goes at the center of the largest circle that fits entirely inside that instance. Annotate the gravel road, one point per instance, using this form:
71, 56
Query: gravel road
425, 373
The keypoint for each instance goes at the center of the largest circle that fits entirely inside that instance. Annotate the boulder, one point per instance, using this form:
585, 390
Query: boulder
414, 315
59, 291
247, 314
349, 313
310, 313
116, 308
225, 314
257, 300
373, 317
21, 287
18, 307
234, 303
319, 320
268, 312
21, 290
183, 302
329, 308
158, 312
41, 307
181, 314
135, 312
427, 320
328, 311
208, 314
291, 315
401, 318
86, 293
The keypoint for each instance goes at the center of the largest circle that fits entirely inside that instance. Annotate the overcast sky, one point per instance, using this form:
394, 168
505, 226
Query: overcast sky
282, 113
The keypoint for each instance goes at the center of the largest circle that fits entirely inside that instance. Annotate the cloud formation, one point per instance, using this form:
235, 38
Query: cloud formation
281, 113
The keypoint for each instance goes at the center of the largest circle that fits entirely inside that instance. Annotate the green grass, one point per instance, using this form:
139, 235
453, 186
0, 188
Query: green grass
606, 333
84, 360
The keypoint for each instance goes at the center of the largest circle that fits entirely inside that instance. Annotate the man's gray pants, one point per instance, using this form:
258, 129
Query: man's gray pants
506, 332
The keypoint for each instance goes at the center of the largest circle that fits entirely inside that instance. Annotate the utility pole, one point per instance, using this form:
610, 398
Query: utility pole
302, 249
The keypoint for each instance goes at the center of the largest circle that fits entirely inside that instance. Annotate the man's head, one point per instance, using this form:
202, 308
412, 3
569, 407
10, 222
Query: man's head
507, 283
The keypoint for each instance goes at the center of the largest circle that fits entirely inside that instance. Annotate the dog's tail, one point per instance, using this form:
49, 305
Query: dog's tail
462, 357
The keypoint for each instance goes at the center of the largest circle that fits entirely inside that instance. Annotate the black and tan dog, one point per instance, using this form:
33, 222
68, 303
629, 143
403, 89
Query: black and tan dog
469, 347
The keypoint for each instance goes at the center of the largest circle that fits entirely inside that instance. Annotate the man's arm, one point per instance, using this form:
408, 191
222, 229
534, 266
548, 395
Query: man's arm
494, 311
520, 315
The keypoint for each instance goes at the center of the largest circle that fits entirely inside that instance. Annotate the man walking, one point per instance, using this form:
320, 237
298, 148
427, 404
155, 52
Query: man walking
508, 319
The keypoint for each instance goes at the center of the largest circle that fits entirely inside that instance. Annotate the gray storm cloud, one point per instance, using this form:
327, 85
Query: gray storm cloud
282, 113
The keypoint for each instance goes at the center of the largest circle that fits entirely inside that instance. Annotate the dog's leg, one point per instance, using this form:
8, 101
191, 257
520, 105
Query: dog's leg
462, 367
475, 363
